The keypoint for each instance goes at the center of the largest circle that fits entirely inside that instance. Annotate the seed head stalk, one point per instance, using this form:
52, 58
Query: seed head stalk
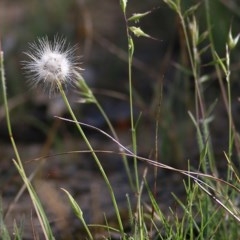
133, 127
90, 96
54, 66
62, 92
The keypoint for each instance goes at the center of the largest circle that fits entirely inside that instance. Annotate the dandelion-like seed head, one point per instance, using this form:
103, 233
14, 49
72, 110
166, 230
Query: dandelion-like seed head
51, 64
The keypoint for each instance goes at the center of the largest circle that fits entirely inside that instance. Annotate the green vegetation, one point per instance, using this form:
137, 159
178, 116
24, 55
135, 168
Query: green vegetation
211, 208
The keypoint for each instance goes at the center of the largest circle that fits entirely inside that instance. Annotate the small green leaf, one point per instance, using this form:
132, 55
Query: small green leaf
232, 41
123, 4
183, 69
77, 210
203, 50
211, 108
220, 62
204, 78
191, 9
194, 30
138, 32
172, 5
137, 16
202, 37
130, 46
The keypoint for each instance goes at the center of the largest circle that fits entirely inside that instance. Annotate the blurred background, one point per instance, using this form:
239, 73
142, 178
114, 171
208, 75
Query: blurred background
98, 29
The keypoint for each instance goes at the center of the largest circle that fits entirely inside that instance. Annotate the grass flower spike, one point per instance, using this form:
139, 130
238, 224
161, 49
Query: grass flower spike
51, 64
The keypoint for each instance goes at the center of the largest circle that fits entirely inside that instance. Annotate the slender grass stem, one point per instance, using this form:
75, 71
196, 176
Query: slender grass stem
125, 161
193, 54
133, 130
85, 89
18, 163
94, 156
7, 111
198, 99
130, 86
230, 120
226, 94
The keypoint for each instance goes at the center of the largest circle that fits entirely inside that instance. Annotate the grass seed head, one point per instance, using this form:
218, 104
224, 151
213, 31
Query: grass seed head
51, 63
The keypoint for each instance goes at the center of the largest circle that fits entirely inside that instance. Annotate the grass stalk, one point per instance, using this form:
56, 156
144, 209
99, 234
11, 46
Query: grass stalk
78, 126
230, 120
194, 58
18, 163
90, 96
226, 94
130, 89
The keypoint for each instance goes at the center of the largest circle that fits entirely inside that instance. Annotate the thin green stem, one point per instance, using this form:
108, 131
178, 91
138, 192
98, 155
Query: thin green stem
230, 120
199, 96
212, 47
35, 200
198, 99
133, 129
94, 156
226, 95
125, 161
7, 112
86, 91
229, 104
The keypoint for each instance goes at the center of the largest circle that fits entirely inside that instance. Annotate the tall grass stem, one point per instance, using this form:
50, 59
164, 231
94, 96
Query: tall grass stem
94, 156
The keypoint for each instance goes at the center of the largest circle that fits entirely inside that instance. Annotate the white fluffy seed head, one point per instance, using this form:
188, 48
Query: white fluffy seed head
51, 63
